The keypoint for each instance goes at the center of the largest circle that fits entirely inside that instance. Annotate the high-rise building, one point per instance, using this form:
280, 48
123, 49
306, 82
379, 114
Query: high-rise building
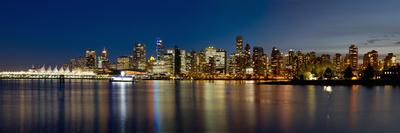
276, 61
169, 62
78, 63
182, 58
123, 62
217, 57
150, 64
371, 58
237, 60
353, 56
311, 57
160, 48
292, 57
139, 57
201, 61
247, 57
192, 62
338, 64
389, 61
103, 61
179, 65
325, 58
260, 62
239, 44
299, 60
90, 57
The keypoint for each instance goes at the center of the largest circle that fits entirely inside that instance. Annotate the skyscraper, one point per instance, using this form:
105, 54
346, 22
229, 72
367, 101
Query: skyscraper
123, 63
389, 61
247, 56
90, 57
217, 57
237, 60
292, 57
371, 58
239, 44
103, 61
192, 62
139, 57
260, 61
177, 62
325, 58
276, 61
160, 49
338, 64
353, 56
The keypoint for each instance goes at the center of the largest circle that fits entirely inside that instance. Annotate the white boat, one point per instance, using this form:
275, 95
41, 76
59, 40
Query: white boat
121, 79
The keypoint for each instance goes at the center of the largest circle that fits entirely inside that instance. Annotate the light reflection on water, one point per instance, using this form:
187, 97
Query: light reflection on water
185, 106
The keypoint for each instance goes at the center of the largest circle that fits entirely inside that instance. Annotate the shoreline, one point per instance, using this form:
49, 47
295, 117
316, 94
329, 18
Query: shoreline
332, 82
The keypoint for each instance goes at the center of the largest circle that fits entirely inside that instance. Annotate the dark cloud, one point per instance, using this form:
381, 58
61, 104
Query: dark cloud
397, 43
372, 41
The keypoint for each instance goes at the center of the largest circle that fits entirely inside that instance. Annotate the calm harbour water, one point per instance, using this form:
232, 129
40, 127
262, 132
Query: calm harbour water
187, 106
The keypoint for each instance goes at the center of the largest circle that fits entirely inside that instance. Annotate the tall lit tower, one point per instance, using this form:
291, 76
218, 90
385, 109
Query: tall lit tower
338, 63
371, 58
104, 54
353, 55
90, 56
139, 56
103, 59
160, 49
247, 56
276, 61
239, 44
260, 61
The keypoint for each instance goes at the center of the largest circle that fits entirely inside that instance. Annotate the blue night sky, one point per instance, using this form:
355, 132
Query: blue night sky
53, 31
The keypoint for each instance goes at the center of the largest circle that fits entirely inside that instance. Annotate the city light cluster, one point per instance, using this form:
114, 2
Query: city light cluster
215, 63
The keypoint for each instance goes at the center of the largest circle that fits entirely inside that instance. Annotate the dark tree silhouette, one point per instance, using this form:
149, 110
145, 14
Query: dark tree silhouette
328, 73
368, 73
348, 73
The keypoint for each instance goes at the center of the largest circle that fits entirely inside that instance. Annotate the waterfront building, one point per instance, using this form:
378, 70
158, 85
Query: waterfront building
53, 73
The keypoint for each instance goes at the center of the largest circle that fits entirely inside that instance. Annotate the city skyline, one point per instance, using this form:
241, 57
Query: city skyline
113, 59
52, 32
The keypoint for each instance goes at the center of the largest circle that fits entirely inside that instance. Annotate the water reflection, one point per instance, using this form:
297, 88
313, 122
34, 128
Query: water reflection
187, 106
